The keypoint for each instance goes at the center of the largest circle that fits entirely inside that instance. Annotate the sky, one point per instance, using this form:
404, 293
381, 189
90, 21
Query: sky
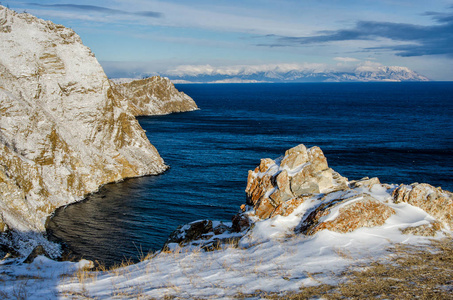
147, 36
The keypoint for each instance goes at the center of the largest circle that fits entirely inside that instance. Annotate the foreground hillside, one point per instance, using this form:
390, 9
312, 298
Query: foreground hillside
305, 231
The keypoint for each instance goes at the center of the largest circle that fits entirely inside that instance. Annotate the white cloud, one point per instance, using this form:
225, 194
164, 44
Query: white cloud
196, 70
346, 59
369, 66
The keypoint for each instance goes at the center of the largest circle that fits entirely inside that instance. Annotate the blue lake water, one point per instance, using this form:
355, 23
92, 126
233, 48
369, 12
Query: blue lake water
399, 132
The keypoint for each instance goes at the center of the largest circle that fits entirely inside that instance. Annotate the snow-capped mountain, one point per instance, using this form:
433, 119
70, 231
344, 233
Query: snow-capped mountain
291, 73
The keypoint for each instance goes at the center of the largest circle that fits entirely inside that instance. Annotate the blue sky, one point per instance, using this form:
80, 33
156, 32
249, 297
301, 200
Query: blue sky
146, 36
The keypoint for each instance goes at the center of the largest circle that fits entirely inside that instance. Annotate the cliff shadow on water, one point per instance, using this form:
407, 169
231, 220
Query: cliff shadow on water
106, 223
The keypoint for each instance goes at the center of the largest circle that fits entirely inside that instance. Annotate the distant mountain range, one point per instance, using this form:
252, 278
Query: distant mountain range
248, 75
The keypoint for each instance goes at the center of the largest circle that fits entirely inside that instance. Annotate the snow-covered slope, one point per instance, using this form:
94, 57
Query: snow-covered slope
64, 130
303, 225
153, 96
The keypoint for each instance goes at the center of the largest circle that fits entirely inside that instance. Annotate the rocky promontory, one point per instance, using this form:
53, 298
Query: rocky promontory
300, 189
65, 130
153, 96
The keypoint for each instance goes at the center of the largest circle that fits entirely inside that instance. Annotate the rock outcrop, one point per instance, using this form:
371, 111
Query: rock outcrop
302, 188
205, 234
153, 96
64, 130
435, 201
302, 178
299, 173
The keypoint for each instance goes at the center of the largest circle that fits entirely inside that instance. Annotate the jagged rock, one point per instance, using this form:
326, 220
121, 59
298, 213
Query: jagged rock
153, 96
317, 159
295, 157
435, 201
300, 172
64, 130
329, 201
189, 232
288, 207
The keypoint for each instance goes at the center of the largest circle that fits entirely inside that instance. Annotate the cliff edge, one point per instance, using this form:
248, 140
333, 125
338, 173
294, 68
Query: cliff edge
64, 130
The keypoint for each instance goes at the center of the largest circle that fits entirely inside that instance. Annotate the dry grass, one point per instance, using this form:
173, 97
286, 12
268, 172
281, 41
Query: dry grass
413, 272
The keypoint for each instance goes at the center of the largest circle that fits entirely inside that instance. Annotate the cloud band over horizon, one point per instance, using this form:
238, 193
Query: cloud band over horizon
421, 39
164, 34
101, 9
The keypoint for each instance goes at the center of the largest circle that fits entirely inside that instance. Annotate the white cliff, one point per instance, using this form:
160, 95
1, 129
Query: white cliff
64, 130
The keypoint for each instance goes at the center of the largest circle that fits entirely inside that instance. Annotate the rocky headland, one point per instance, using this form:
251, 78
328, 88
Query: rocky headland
65, 129
153, 96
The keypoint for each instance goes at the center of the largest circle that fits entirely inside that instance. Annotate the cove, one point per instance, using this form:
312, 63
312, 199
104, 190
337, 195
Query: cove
399, 132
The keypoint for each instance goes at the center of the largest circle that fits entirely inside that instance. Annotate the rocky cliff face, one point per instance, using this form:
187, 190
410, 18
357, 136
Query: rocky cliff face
64, 130
300, 189
153, 96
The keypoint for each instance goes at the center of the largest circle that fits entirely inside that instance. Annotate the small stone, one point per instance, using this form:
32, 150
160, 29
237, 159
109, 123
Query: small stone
241, 222
38, 251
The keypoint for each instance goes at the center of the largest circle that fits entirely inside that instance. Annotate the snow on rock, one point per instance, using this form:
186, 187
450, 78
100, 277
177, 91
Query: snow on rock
300, 172
299, 194
435, 201
153, 96
63, 128
302, 183
307, 240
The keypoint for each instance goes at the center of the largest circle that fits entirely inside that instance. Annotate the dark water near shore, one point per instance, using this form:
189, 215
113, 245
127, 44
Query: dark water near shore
399, 132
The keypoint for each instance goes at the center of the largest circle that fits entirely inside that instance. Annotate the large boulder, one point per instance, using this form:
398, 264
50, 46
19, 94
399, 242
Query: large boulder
435, 201
299, 173
356, 212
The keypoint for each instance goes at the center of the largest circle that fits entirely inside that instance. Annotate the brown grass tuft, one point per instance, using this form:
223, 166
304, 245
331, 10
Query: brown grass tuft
413, 272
